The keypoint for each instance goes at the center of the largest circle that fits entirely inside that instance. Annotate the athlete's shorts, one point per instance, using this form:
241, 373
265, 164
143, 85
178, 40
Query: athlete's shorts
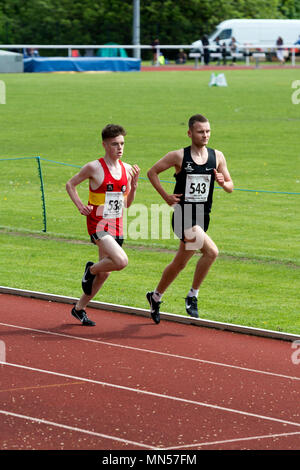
99, 235
188, 217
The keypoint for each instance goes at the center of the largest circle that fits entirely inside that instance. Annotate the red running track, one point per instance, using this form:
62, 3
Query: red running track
129, 384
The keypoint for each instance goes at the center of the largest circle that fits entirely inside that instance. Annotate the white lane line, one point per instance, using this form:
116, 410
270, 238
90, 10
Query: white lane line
71, 428
2, 351
220, 364
228, 441
154, 394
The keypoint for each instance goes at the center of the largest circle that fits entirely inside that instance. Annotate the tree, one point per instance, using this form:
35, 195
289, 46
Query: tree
101, 21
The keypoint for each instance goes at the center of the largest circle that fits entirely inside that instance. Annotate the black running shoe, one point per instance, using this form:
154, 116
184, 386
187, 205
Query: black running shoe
191, 306
87, 279
154, 307
82, 316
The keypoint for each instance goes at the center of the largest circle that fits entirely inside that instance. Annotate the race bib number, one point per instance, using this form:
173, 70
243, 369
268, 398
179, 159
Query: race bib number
113, 206
197, 188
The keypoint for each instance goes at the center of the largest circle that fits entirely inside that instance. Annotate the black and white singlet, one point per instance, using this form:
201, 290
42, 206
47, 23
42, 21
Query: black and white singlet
196, 184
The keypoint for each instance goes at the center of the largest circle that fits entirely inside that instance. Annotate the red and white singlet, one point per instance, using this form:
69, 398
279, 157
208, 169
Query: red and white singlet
108, 201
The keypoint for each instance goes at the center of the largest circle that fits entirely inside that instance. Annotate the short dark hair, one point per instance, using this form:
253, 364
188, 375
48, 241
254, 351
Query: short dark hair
112, 130
196, 118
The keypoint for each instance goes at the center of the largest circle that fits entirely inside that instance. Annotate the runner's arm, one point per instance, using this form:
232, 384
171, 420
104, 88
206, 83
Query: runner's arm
222, 174
84, 173
133, 173
171, 159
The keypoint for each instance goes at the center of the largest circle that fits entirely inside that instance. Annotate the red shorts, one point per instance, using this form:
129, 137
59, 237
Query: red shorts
96, 223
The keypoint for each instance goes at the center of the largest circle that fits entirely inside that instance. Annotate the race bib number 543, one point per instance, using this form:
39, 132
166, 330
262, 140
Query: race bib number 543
197, 188
113, 206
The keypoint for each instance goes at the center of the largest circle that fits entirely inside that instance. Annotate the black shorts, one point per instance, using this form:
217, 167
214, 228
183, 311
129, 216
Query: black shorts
188, 217
98, 235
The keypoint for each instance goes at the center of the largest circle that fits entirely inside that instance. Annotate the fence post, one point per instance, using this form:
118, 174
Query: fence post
293, 57
38, 159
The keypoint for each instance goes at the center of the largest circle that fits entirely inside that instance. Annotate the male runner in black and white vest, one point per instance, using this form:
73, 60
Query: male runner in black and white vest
196, 169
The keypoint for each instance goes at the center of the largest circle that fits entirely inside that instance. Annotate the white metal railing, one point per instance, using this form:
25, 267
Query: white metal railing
246, 50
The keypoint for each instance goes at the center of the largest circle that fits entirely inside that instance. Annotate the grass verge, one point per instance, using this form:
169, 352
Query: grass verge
248, 292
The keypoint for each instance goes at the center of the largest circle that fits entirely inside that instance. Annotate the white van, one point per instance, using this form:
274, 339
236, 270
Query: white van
252, 32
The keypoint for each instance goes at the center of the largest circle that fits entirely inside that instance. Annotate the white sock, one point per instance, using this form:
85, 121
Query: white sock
193, 292
157, 296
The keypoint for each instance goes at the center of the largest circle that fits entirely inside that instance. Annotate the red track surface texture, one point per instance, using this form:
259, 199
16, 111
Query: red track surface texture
128, 384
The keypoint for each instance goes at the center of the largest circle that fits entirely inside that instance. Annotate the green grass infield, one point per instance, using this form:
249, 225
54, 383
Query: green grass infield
255, 123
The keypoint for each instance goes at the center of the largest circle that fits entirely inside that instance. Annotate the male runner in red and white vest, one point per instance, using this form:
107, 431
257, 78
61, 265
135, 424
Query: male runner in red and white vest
112, 186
